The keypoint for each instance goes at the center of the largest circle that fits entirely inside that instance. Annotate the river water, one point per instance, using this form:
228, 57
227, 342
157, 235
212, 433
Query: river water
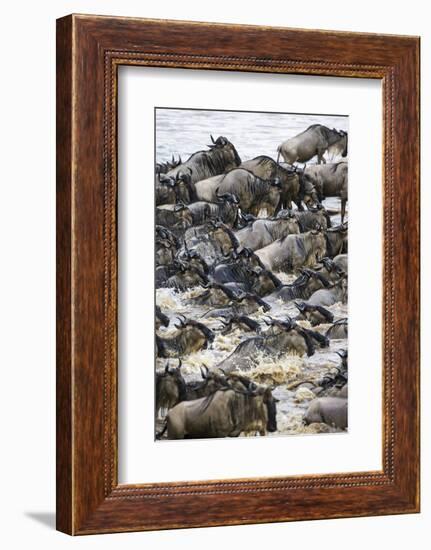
182, 132
185, 131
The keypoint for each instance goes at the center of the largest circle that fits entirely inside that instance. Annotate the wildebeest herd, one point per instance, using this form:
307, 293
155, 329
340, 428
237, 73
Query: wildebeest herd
251, 289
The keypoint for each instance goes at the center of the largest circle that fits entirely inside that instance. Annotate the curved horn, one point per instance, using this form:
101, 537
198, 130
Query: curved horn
212, 139
180, 363
202, 373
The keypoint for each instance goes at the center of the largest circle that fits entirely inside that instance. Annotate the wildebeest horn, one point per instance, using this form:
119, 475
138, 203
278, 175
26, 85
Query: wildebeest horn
269, 323
252, 387
167, 368
180, 363
202, 372
212, 139
182, 322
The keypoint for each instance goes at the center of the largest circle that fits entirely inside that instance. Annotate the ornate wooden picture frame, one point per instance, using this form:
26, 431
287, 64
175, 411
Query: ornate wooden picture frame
89, 51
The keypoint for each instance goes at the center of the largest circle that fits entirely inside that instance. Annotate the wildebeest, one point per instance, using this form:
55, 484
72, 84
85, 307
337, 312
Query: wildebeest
341, 262
336, 240
338, 330
170, 190
316, 315
293, 252
221, 157
170, 389
242, 322
315, 140
333, 268
211, 382
176, 217
330, 180
238, 267
344, 354
284, 337
164, 252
313, 218
188, 337
225, 209
245, 304
254, 193
225, 413
307, 282
267, 169
161, 318
330, 410
214, 241
180, 276
215, 294
166, 246
336, 292
263, 232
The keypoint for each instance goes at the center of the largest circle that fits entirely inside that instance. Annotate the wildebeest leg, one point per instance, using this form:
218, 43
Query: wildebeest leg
320, 157
343, 209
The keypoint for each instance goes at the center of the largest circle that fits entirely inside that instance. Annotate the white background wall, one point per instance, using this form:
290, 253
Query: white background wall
27, 218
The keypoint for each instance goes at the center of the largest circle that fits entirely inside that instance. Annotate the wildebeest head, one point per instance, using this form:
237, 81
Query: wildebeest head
165, 252
279, 325
242, 321
344, 141
227, 197
194, 259
265, 281
213, 379
338, 142
252, 300
193, 328
230, 155
318, 243
302, 308
170, 387
166, 180
223, 237
161, 318
270, 402
249, 258
308, 193
185, 191
187, 275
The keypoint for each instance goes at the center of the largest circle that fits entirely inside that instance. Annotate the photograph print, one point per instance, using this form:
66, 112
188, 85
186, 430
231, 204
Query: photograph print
251, 273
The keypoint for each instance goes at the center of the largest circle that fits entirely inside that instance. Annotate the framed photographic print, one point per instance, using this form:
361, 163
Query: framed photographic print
237, 274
